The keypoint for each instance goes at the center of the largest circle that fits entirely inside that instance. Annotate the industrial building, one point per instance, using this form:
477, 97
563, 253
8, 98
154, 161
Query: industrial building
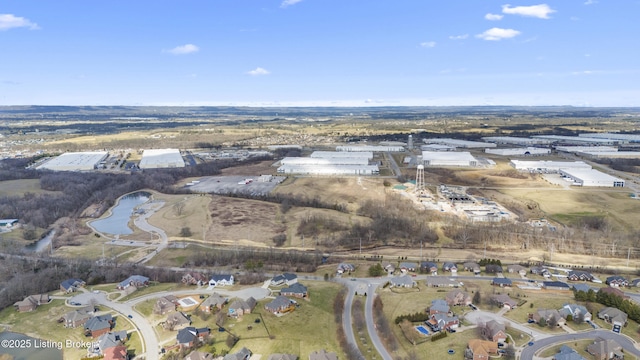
161, 158
591, 177
372, 148
75, 161
528, 151
548, 166
329, 169
623, 138
325, 161
342, 154
612, 154
575, 140
448, 158
460, 143
582, 149
516, 140
437, 147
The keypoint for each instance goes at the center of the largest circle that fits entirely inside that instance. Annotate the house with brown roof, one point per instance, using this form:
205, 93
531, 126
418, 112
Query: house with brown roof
77, 317
194, 278
549, 315
323, 355
240, 307
32, 302
458, 298
280, 305
481, 349
614, 291
504, 300
215, 301
166, 304
494, 331
116, 353
176, 321
605, 349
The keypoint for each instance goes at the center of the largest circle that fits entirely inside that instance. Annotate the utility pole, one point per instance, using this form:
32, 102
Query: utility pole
628, 256
361, 246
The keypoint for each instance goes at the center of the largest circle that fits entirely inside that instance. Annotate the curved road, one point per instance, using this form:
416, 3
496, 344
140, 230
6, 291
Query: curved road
528, 353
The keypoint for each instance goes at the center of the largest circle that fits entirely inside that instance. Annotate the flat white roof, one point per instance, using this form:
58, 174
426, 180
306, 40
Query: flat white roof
614, 154
75, 161
575, 149
447, 156
613, 136
373, 148
325, 161
590, 175
546, 164
338, 154
576, 139
459, 143
329, 169
518, 151
514, 140
161, 158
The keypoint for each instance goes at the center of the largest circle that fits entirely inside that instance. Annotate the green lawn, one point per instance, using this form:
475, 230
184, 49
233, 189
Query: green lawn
153, 288
580, 346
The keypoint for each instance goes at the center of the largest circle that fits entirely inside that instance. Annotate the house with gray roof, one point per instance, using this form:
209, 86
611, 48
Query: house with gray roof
617, 281
190, 336
284, 279
555, 285
282, 357
221, 280
494, 331
135, 281
583, 287
99, 325
176, 321
402, 281
199, 355
279, 305
575, 311
111, 339
615, 317
449, 266
567, 353
323, 355
439, 306
215, 301
502, 282
71, 285
345, 268
504, 300
77, 317
436, 281
240, 307
243, 354
474, 267
429, 267
408, 266
440, 321
579, 275
548, 315
605, 349
296, 290
166, 304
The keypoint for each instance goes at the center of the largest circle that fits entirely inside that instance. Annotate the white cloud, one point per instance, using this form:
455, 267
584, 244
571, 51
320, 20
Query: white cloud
184, 49
286, 3
258, 71
493, 17
428, 44
590, 2
10, 21
496, 34
459, 37
540, 11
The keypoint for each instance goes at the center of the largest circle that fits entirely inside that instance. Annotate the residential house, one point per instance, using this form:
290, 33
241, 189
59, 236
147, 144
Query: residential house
494, 331
549, 316
505, 301
458, 297
71, 285
176, 321
502, 282
493, 269
282, 357
540, 270
582, 287
408, 266
617, 318
191, 336
243, 354
439, 306
402, 281
240, 307
635, 282
221, 280
296, 290
116, 353
345, 268
567, 353
280, 305
77, 317
434, 281
517, 269
576, 311
194, 278
442, 321
99, 325
579, 275
165, 305
614, 291
617, 281
109, 340
471, 266
481, 349
450, 267
323, 355
32, 302
284, 279
388, 267
215, 301
199, 355
605, 349
136, 281
429, 267
555, 285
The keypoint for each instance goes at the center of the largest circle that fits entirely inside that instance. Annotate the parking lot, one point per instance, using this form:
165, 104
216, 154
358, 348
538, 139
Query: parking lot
235, 185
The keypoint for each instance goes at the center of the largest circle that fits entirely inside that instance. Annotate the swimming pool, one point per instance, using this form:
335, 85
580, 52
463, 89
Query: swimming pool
423, 330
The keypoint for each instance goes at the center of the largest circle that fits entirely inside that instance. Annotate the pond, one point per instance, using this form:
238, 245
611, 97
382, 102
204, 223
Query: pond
42, 244
23, 347
118, 222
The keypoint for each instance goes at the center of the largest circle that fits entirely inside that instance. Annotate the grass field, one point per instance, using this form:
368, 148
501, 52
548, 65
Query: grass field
21, 187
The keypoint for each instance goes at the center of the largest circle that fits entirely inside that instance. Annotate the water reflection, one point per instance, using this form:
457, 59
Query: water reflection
118, 222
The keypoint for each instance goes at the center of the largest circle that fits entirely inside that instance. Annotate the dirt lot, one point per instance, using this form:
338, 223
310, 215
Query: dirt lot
235, 219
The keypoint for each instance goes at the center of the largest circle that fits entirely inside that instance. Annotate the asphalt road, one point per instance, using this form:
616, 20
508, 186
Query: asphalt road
528, 353
371, 326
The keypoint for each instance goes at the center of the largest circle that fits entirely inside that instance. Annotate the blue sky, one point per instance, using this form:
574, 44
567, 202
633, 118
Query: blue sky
320, 52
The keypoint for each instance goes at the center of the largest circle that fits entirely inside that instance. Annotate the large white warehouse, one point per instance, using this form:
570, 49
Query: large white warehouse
329, 169
460, 143
548, 166
612, 154
591, 177
372, 148
620, 137
515, 140
528, 151
75, 161
578, 140
324, 161
161, 158
581, 149
342, 154
448, 158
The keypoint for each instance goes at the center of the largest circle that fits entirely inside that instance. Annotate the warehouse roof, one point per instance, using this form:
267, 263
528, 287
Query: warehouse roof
460, 143
590, 175
161, 158
74, 161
